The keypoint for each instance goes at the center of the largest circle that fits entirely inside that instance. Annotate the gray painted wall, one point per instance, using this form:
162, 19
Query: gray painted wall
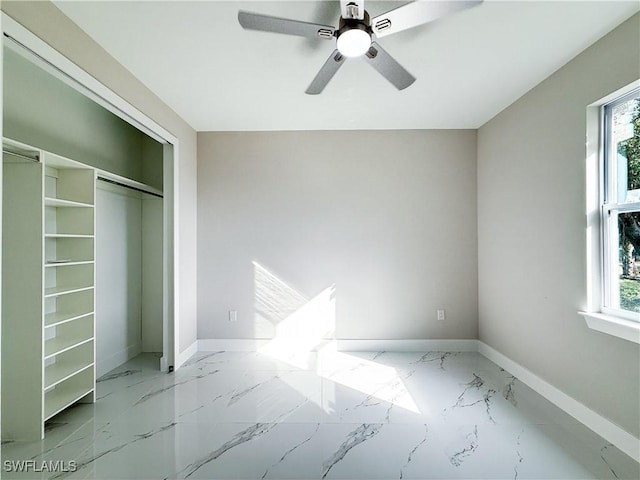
387, 217
532, 233
43, 111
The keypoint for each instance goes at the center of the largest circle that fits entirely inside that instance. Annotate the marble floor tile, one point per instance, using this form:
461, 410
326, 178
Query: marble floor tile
325, 415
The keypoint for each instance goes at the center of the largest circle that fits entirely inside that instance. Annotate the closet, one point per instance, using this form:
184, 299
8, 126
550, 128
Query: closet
83, 272
129, 255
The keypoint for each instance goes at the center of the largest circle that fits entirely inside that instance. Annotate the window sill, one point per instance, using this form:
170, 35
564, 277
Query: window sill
618, 327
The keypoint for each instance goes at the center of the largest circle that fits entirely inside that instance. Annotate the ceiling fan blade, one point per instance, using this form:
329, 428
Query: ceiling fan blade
326, 73
352, 9
417, 13
267, 23
388, 67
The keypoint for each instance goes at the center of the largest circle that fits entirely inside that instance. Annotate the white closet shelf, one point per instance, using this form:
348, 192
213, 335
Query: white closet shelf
50, 308
67, 264
61, 397
58, 318
57, 291
59, 202
59, 372
57, 345
127, 182
68, 235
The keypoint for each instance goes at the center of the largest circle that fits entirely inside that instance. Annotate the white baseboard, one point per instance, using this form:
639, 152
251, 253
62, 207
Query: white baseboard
596, 422
231, 344
186, 354
114, 360
347, 345
423, 345
164, 364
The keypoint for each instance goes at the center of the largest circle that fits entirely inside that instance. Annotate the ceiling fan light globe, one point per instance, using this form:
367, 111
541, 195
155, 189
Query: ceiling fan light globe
354, 43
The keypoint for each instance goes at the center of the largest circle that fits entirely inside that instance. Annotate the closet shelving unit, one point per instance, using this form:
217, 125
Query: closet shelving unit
48, 288
69, 273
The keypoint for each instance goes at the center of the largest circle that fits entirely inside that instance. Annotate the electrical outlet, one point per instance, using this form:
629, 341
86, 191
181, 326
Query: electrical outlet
233, 315
441, 315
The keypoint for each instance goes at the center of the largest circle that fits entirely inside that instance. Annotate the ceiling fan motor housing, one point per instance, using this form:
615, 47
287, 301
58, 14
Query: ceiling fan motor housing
354, 36
351, 23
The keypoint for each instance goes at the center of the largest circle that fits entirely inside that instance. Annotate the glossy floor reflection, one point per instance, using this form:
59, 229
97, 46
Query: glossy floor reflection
377, 415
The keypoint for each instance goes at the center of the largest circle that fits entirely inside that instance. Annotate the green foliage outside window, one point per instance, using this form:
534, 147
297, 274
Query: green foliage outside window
630, 149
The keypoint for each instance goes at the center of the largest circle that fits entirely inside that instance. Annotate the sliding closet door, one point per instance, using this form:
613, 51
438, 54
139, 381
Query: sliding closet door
118, 276
152, 273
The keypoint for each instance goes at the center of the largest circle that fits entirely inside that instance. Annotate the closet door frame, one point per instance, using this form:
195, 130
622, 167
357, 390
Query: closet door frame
62, 68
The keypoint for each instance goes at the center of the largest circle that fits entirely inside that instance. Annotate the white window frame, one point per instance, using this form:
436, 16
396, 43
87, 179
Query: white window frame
597, 314
610, 210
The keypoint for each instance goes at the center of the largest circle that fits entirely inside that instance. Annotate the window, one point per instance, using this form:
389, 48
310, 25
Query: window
620, 212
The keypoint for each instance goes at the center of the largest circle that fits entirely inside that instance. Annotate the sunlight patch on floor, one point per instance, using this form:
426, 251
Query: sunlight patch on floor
304, 326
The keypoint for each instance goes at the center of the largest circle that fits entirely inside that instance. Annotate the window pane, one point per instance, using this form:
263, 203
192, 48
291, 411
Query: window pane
629, 260
626, 151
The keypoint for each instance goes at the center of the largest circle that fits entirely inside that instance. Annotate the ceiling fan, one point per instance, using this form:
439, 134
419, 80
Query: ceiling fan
355, 34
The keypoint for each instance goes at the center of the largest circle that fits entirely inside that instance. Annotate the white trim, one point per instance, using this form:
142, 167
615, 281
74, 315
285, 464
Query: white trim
186, 354
231, 344
171, 235
164, 364
618, 327
422, 345
594, 188
345, 345
596, 422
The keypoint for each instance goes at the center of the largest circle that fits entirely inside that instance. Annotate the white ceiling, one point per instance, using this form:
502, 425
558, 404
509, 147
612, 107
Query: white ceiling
217, 76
